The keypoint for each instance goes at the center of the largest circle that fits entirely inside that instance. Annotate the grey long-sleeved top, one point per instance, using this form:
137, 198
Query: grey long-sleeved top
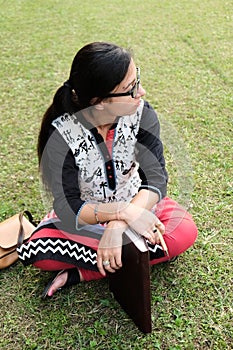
80, 167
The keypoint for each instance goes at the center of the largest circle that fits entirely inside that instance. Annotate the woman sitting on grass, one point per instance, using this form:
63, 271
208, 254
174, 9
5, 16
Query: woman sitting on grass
101, 157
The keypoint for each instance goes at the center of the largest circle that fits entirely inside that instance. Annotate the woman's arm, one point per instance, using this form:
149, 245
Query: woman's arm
146, 199
138, 216
149, 154
111, 211
62, 175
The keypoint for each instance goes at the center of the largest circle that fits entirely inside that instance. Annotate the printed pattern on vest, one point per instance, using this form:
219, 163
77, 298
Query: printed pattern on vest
92, 163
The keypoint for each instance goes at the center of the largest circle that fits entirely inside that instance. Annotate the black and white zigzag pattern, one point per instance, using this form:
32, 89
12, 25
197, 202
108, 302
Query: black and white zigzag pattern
63, 247
156, 251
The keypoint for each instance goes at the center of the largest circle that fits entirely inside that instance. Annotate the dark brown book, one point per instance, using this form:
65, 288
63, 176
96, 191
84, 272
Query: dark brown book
130, 285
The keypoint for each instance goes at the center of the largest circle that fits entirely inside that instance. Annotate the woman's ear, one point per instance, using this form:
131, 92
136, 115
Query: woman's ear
97, 104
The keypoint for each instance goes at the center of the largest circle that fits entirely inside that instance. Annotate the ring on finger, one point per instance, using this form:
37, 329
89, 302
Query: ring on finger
106, 262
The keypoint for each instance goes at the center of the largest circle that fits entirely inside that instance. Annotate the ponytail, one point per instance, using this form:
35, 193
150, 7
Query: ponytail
64, 101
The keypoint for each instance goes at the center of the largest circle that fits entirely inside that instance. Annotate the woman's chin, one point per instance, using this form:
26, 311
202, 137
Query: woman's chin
119, 109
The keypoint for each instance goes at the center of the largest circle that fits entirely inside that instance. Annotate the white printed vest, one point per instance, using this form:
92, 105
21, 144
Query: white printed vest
93, 179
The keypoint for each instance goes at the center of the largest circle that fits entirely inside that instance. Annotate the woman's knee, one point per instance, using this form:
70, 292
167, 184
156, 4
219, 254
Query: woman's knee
183, 237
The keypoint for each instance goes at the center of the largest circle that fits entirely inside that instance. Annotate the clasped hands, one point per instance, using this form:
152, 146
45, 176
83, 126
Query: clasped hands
141, 220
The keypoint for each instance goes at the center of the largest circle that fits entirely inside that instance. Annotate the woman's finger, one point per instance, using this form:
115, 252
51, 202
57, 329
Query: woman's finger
149, 236
101, 267
154, 235
102, 262
108, 265
118, 260
115, 261
160, 226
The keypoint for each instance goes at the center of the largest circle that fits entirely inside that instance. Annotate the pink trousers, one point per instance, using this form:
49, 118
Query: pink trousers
51, 248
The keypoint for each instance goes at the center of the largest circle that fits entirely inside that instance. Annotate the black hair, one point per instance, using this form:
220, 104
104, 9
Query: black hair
96, 70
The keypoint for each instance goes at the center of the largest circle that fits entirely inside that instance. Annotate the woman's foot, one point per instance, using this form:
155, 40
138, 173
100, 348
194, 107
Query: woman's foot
58, 282
62, 279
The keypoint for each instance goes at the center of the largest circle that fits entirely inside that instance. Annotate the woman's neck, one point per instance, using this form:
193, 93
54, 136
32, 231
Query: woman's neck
103, 130
97, 118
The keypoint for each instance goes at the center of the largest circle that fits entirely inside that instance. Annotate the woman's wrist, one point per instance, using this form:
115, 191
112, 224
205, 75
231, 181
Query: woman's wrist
108, 212
96, 213
123, 212
117, 223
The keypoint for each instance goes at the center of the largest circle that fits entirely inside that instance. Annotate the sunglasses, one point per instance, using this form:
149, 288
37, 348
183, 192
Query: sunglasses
132, 92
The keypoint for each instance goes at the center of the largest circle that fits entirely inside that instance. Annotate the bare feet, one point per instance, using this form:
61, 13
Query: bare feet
60, 281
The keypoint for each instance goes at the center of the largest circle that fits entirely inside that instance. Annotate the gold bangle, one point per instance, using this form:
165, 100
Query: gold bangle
96, 213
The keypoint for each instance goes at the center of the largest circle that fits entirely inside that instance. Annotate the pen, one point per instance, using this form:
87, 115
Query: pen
163, 244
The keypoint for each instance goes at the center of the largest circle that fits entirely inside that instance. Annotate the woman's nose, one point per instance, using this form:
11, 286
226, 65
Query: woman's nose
141, 92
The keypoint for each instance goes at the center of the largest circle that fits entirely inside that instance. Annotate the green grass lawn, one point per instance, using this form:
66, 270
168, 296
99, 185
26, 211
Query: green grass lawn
184, 49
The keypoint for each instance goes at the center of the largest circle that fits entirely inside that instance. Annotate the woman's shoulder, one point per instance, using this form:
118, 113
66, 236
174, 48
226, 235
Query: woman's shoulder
63, 120
147, 108
149, 115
